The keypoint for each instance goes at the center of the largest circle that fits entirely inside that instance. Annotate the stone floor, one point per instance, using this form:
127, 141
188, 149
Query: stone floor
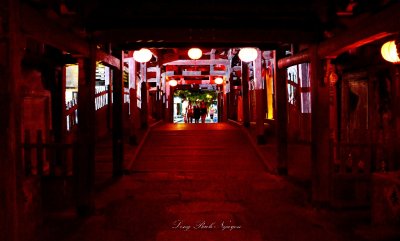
206, 182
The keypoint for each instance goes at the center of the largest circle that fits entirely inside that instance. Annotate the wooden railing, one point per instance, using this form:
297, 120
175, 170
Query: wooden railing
356, 156
101, 97
358, 153
43, 157
71, 114
126, 95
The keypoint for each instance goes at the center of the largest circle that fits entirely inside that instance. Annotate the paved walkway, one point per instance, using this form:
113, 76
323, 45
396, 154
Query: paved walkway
202, 182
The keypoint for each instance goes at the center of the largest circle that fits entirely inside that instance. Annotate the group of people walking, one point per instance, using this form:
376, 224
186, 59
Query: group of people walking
197, 112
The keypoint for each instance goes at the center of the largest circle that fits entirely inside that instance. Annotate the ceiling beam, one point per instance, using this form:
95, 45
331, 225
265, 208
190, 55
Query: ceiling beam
199, 62
377, 26
48, 31
148, 37
374, 28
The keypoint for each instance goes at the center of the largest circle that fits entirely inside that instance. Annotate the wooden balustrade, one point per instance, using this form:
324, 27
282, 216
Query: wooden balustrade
71, 114
126, 95
46, 158
101, 96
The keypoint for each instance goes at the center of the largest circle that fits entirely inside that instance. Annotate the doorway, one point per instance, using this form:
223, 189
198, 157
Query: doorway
189, 97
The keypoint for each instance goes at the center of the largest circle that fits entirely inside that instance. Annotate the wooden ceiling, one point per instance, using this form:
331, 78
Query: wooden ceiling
129, 25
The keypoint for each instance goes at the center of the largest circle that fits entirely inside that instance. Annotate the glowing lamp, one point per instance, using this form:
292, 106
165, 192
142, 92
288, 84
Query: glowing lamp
143, 55
195, 53
247, 54
218, 80
173, 83
389, 52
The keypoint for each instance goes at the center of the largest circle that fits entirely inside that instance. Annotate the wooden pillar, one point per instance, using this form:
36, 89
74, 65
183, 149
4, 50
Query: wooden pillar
320, 151
224, 103
170, 109
281, 116
245, 94
396, 113
144, 115
54, 77
63, 105
85, 163
259, 89
220, 103
132, 103
10, 121
110, 101
118, 123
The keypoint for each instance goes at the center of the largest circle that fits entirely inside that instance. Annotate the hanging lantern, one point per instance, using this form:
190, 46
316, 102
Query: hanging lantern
247, 54
218, 80
195, 53
143, 55
389, 52
173, 83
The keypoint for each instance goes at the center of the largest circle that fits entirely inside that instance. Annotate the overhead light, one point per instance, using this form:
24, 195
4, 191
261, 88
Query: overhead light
143, 55
390, 53
195, 53
218, 80
173, 83
247, 54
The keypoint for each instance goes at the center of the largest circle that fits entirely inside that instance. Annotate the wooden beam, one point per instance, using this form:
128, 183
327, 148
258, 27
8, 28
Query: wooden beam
153, 36
375, 27
199, 62
294, 59
11, 226
108, 59
48, 31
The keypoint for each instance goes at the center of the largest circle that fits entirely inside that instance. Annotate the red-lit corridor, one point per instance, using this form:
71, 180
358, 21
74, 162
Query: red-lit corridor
202, 120
204, 182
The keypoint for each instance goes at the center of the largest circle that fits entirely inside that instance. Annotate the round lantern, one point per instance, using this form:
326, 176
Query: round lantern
247, 54
389, 52
173, 83
195, 53
218, 80
143, 55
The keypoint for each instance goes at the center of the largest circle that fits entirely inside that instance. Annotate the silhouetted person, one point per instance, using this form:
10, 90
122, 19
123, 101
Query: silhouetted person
196, 113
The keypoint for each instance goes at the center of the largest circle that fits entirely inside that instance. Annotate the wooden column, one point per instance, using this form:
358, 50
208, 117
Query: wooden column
281, 120
260, 107
396, 112
132, 103
220, 103
110, 101
145, 108
224, 103
118, 123
170, 109
320, 151
144, 97
85, 163
10, 121
245, 94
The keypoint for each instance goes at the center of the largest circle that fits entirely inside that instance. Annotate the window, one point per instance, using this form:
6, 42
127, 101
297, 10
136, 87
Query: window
298, 86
